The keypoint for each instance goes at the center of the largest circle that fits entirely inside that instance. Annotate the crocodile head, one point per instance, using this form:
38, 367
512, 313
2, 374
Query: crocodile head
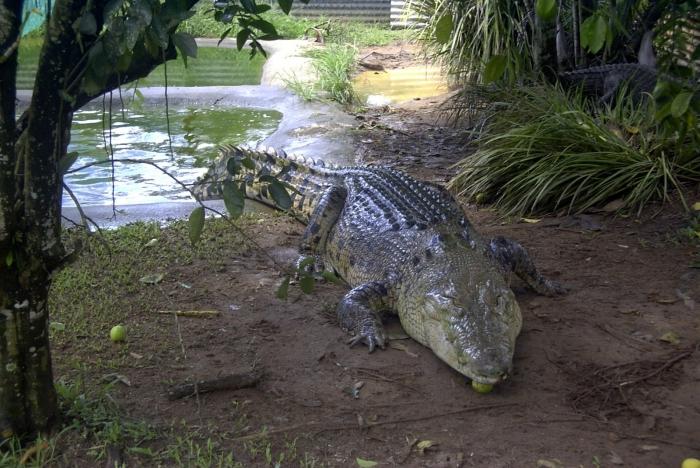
472, 318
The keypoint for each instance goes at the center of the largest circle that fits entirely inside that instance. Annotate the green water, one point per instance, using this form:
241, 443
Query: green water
212, 67
142, 135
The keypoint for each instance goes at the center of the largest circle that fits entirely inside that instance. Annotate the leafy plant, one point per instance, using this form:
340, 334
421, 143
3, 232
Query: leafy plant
334, 63
543, 150
465, 35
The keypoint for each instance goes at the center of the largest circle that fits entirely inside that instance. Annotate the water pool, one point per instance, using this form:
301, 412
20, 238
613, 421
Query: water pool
196, 134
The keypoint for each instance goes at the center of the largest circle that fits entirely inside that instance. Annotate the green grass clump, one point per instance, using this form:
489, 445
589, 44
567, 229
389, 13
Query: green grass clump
543, 150
334, 64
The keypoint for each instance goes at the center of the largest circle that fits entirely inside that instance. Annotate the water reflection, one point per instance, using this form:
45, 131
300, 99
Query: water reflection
143, 135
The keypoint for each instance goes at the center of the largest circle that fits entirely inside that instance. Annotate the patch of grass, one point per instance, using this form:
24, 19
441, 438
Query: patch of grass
102, 287
333, 64
292, 26
544, 150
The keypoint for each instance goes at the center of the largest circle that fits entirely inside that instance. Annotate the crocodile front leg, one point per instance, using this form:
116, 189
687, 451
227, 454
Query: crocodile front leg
321, 221
358, 313
513, 258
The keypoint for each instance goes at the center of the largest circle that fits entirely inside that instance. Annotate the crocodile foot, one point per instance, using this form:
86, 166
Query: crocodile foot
358, 313
372, 335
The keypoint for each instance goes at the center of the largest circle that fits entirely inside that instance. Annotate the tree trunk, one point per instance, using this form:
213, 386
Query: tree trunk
30, 198
27, 395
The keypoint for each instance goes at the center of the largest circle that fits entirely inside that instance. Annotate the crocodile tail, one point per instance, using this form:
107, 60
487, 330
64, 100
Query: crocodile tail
306, 178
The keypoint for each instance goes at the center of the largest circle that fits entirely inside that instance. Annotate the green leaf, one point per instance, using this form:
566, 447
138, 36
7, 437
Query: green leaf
9, 259
594, 31
331, 277
186, 44
196, 223
224, 35
680, 104
260, 9
233, 199
663, 112
67, 161
308, 261
306, 283
443, 29
248, 163
249, 5
283, 290
280, 195
264, 26
362, 463
285, 5
495, 68
546, 9
153, 278
88, 24
242, 37
233, 167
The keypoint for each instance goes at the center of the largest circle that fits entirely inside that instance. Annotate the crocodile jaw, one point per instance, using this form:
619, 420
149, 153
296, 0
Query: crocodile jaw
474, 335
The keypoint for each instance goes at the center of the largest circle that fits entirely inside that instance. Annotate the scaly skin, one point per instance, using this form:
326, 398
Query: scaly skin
604, 81
405, 246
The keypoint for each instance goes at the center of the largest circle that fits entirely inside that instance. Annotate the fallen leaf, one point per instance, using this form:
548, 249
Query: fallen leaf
398, 335
667, 301
136, 355
153, 278
530, 220
670, 337
57, 326
549, 463
424, 445
362, 463
649, 448
615, 459
402, 347
614, 205
151, 243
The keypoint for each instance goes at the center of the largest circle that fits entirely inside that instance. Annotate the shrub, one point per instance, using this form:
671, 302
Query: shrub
544, 150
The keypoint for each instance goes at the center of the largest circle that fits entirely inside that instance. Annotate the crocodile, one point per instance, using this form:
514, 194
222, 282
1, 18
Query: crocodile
604, 81
403, 246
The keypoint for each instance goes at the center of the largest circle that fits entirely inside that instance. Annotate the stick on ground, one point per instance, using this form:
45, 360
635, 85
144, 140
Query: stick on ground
226, 382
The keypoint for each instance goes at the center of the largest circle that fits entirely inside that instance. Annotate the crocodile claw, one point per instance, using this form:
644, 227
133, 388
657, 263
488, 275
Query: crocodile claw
372, 340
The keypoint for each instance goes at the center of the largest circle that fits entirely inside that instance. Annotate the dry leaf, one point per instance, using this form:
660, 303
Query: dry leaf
402, 347
365, 463
154, 278
530, 220
424, 445
670, 337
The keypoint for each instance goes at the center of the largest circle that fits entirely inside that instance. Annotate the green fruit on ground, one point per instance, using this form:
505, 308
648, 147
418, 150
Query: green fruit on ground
117, 333
483, 388
690, 463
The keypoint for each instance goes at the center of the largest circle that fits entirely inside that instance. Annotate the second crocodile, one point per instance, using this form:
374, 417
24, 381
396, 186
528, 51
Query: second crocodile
403, 246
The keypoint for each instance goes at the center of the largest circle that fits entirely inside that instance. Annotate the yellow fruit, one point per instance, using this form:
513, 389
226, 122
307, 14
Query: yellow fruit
117, 333
690, 463
483, 388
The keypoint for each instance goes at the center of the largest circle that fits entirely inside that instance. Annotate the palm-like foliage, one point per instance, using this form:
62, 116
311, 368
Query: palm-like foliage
480, 30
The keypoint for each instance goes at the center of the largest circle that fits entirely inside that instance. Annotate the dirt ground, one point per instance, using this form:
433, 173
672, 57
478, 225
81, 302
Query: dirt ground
593, 383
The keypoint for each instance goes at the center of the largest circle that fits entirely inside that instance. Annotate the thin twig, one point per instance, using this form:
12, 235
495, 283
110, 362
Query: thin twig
656, 372
86, 219
311, 426
179, 336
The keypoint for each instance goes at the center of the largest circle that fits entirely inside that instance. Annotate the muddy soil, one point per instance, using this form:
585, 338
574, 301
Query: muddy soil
593, 384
